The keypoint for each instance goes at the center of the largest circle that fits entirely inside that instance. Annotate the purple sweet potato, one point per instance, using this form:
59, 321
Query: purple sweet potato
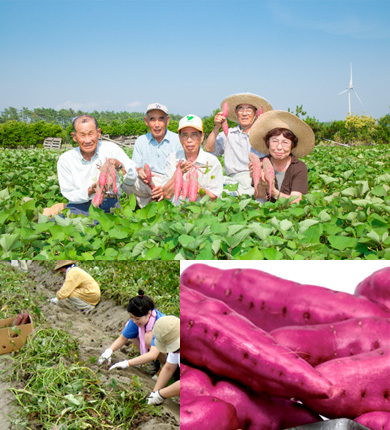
254, 411
205, 413
376, 287
361, 385
271, 302
216, 337
377, 420
340, 339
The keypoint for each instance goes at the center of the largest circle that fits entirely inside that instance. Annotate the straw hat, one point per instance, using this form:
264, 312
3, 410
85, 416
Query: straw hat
281, 119
62, 263
166, 331
244, 98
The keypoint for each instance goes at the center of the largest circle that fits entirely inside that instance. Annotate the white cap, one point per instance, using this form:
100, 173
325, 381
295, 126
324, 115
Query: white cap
166, 331
191, 121
157, 106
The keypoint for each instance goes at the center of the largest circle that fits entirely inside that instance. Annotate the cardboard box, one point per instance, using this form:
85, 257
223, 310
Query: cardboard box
11, 340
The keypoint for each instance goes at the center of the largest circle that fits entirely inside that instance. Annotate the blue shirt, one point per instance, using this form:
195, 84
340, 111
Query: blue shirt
148, 150
131, 329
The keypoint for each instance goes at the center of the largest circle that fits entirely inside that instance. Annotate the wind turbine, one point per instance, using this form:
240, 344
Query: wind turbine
349, 89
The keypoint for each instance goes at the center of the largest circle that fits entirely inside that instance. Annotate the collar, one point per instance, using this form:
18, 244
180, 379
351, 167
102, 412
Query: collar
153, 141
94, 157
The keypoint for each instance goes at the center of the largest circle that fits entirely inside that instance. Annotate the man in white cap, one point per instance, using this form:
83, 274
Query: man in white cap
167, 337
193, 158
243, 109
152, 148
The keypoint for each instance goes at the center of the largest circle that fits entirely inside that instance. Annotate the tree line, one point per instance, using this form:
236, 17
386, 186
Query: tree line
27, 127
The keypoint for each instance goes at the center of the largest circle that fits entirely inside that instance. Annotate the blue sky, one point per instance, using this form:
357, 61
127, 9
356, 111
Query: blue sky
121, 55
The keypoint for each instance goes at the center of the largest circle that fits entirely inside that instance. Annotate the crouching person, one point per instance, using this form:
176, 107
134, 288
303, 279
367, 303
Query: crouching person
167, 334
193, 161
79, 287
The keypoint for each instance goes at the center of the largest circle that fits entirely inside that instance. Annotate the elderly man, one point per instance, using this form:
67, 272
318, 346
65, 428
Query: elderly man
244, 109
192, 158
153, 149
78, 169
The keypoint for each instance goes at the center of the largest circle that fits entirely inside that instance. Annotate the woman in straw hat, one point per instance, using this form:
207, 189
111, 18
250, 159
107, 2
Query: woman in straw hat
167, 333
244, 109
79, 287
284, 138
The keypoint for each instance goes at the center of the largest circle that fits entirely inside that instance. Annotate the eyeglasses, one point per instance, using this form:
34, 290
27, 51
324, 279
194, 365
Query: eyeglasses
276, 142
194, 136
241, 110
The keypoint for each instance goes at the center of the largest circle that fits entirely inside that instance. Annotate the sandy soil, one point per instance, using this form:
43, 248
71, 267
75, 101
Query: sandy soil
95, 333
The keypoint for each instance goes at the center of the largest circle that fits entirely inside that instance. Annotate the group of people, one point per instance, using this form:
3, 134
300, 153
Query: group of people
155, 335
278, 135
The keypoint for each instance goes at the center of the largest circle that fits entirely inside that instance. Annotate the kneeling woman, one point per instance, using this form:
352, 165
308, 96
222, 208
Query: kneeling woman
138, 330
285, 138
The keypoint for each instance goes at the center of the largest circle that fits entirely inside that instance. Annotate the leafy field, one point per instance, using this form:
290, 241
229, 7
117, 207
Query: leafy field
345, 216
54, 379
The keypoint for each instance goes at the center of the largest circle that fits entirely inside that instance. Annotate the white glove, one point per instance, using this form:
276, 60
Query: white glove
54, 301
120, 365
155, 398
105, 356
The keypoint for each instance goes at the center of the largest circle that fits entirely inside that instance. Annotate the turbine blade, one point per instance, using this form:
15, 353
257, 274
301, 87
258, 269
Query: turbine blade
357, 95
350, 82
342, 92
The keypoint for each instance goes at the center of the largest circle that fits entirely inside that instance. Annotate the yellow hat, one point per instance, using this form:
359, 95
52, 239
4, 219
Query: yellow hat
62, 263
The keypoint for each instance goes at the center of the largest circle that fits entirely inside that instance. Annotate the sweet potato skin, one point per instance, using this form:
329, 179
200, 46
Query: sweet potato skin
376, 287
271, 302
340, 339
205, 413
254, 411
377, 420
361, 385
237, 349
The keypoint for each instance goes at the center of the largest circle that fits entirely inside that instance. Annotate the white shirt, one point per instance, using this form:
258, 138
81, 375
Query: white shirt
173, 358
236, 147
212, 180
76, 175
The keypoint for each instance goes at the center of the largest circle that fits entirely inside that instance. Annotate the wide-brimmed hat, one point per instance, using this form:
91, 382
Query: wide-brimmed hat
166, 331
244, 98
63, 263
191, 121
282, 119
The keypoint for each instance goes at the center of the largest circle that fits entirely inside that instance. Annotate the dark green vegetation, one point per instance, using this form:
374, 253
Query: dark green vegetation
344, 216
53, 387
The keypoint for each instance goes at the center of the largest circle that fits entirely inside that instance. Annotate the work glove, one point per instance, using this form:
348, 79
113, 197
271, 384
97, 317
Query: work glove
155, 398
105, 356
54, 301
120, 365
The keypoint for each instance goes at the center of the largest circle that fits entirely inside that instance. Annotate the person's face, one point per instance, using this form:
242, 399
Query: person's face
140, 321
279, 147
157, 121
87, 137
245, 114
190, 139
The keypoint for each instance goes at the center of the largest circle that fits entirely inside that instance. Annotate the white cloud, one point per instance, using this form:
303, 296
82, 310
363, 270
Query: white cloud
133, 104
85, 107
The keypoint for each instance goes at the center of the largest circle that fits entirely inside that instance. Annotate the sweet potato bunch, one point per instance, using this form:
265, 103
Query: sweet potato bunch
106, 183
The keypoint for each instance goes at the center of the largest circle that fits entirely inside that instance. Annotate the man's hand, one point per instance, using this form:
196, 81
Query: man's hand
155, 398
118, 165
105, 356
54, 301
219, 119
142, 174
157, 193
92, 189
120, 365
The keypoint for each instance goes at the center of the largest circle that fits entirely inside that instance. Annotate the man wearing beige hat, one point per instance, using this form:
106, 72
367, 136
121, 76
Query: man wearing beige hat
167, 336
79, 287
153, 149
244, 109
192, 158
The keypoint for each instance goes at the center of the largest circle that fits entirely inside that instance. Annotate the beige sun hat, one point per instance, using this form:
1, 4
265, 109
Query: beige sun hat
244, 98
281, 119
166, 331
62, 263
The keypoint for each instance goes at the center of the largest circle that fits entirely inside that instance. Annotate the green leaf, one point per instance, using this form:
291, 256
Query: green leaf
272, 254
342, 242
379, 191
304, 225
253, 254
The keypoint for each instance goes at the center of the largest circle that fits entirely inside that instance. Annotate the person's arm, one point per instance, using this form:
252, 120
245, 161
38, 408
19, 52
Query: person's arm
163, 379
72, 187
210, 143
149, 356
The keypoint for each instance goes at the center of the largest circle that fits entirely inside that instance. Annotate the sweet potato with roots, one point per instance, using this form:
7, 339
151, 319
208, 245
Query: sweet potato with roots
254, 411
254, 159
269, 173
226, 343
225, 113
178, 182
376, 287
193, 186
361, 385
340, 339
271, 302
186, 185
106, 183
377, 420
149, 179
205, 413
